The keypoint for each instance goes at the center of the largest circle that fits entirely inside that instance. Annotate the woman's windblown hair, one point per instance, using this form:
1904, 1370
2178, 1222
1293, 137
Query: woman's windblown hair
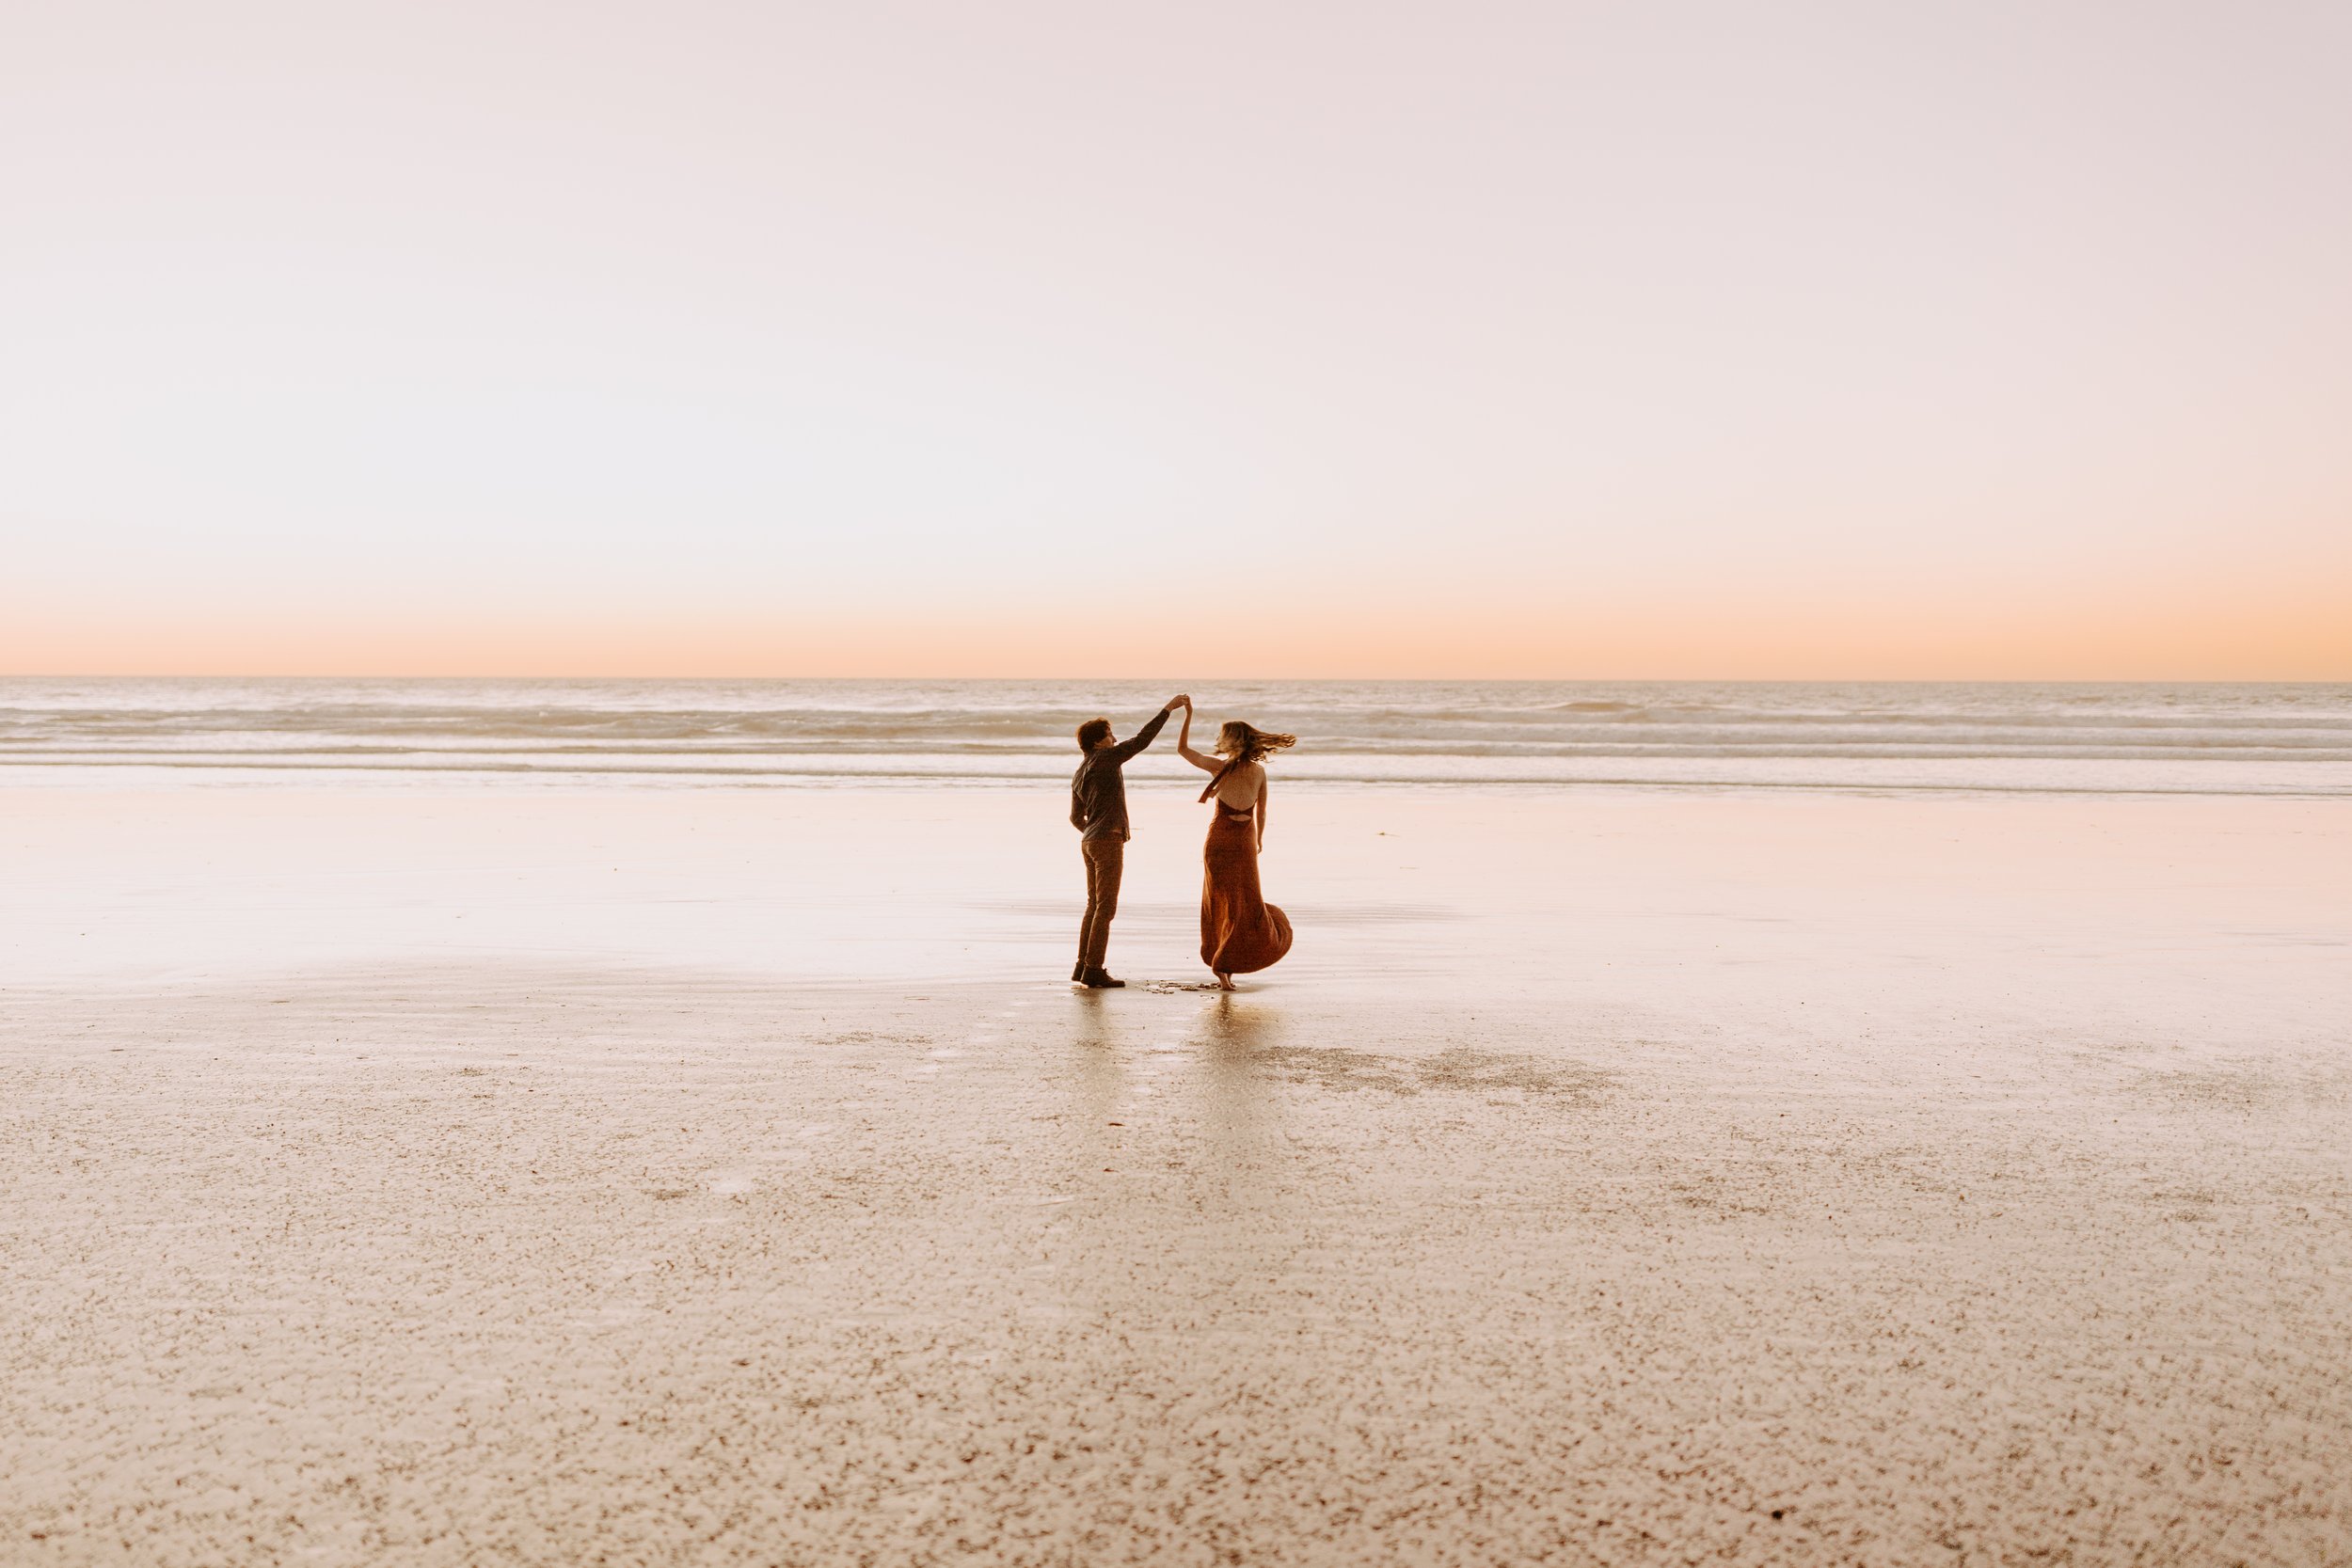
1247, 743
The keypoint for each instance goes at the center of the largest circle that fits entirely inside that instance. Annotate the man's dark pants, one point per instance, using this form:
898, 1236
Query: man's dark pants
1105, 858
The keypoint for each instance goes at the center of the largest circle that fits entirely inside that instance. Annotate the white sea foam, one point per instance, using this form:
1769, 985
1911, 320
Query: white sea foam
2195, 738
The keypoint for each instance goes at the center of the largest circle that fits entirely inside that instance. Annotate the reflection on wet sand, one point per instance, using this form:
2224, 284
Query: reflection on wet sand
1232, 1027
1230, 1037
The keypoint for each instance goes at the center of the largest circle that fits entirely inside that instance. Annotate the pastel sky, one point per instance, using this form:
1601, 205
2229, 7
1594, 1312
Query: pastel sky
1309, 339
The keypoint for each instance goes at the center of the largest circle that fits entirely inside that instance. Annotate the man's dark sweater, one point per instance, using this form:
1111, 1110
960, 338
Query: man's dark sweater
1098, 792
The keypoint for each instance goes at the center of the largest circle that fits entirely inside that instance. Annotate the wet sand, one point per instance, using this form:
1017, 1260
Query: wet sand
1608, 1178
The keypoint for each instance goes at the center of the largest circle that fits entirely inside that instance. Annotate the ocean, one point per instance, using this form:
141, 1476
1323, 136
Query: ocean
1992, 737
2232, 739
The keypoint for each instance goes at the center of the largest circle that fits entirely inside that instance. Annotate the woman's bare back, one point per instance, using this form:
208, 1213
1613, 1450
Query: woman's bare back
1239, 789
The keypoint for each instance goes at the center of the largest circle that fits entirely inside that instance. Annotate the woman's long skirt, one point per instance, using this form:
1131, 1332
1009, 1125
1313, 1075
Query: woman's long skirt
1240, 932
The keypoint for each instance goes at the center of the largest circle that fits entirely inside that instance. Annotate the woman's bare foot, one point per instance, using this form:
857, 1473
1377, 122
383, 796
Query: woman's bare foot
1224, 982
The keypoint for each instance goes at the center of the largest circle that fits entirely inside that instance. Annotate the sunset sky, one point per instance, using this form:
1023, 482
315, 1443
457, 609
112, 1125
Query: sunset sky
1544, 340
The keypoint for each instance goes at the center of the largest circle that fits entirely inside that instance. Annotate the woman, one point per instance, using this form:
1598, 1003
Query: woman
1240, 932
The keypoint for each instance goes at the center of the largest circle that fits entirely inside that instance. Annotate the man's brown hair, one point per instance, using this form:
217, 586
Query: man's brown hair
1094, 733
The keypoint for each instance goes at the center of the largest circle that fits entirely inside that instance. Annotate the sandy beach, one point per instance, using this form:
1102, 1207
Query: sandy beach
1610, 1177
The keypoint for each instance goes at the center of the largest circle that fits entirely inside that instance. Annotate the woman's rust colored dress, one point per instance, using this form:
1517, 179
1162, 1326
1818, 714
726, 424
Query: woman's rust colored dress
1240, 932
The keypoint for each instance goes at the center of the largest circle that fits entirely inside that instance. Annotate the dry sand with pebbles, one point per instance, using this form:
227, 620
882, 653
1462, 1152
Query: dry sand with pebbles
1784, 1181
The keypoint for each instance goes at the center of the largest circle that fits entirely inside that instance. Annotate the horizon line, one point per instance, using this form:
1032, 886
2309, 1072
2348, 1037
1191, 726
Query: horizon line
1296, 680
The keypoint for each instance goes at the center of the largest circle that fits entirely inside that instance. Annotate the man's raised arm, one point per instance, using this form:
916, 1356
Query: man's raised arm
1144, 736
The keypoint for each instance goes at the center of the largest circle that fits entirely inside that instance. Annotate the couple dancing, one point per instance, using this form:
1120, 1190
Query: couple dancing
1240, 931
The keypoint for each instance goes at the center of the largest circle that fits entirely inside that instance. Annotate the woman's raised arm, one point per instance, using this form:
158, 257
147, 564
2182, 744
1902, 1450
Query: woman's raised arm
1183, 745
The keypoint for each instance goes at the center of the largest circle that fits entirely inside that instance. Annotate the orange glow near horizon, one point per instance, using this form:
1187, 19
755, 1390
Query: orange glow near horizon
2300, 634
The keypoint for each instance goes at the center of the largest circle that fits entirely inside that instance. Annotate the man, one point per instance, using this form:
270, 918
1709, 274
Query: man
1098, 808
